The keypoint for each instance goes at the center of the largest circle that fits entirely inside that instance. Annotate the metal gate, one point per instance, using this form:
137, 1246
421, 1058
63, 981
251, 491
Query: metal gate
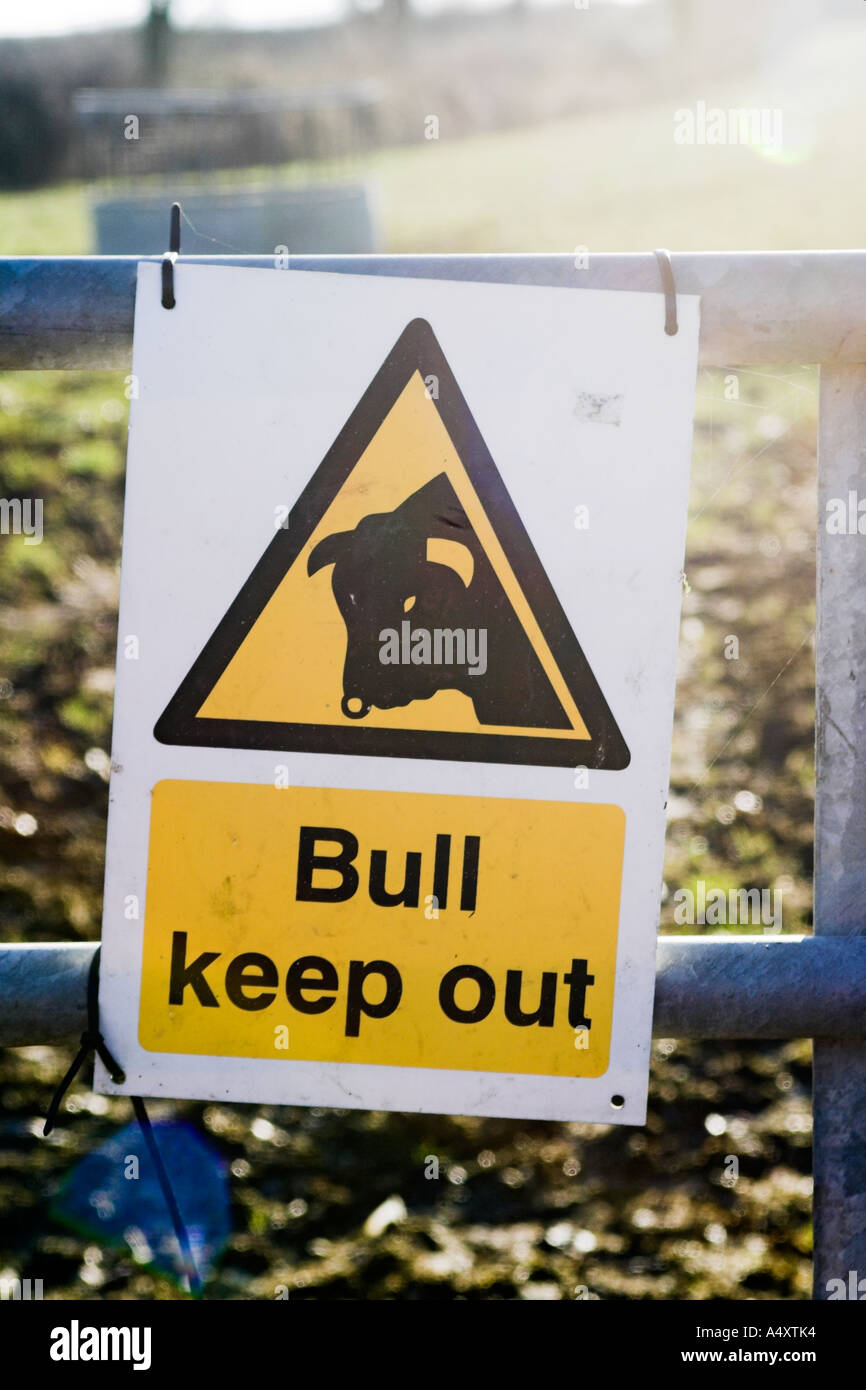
757, 308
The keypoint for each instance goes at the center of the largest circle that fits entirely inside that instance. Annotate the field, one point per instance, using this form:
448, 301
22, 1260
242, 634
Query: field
611, 179
519, 1210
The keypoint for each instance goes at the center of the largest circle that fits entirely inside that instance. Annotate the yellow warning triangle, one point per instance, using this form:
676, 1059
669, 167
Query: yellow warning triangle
403, 611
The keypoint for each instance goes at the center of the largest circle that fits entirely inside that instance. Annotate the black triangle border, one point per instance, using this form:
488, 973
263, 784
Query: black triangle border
417, 349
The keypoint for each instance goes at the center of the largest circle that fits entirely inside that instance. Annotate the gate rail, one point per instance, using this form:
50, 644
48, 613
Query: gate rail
757, 308
706, 987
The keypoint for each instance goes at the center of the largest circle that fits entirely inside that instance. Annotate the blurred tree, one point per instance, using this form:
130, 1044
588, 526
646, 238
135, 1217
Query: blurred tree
684, 16
157, 36
398, 11
32, 138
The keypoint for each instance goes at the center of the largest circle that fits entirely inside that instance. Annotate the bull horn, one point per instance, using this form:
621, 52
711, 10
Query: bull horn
454, 554
327, 552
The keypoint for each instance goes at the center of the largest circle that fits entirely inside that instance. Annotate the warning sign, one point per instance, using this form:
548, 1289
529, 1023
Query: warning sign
407, 583
402, 567
412, 955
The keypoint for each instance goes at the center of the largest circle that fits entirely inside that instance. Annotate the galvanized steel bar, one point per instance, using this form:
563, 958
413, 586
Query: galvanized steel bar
758, 307
760, 987
43, 992
706, 987
839, 1077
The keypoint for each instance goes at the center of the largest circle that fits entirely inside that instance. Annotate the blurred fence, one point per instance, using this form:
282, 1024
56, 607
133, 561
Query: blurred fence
127, 132
126, 135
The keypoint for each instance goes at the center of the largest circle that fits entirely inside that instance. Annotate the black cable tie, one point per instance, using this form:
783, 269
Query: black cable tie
168, 260
91, 1041
670, 290
177, 1221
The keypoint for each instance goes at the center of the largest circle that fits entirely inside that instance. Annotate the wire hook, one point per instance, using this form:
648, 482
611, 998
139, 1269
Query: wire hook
669, 286
168, 260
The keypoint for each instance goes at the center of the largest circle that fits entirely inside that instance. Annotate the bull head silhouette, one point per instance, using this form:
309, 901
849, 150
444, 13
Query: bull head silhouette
424, 558
418, 559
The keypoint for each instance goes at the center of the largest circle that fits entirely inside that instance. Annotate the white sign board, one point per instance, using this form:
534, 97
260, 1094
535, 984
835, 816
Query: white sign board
401, 583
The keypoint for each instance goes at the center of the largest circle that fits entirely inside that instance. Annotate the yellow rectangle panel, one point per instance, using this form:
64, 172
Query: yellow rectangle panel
399, 929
